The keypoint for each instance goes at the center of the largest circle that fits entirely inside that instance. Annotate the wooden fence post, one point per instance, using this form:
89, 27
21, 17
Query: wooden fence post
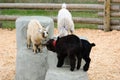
107, 15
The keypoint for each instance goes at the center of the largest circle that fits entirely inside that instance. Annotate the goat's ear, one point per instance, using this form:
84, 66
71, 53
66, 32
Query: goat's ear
47, 28
58, 38
40, 30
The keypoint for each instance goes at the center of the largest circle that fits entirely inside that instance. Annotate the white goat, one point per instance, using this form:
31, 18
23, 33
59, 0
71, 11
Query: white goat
36, 34
65, 23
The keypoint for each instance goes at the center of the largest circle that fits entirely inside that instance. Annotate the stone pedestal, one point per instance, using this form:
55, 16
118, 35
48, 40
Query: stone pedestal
64, 72
30, 66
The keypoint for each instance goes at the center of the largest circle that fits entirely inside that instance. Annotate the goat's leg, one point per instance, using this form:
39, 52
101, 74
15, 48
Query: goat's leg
72, 28
71, 31
86, 66
78, 62
60, 61
72, 63
34, 48
28, 41
40, 48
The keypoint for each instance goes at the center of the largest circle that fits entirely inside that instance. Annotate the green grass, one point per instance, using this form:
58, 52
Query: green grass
45, 12
85, 14
28, 12
22, 12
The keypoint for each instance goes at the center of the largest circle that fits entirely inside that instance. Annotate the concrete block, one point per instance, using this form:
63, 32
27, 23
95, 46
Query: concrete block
64, 72
30, 66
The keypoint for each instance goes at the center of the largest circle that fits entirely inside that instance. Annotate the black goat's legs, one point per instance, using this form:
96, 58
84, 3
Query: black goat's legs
86, 66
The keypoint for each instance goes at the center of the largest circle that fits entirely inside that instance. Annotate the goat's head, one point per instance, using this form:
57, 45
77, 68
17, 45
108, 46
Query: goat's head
44, 32
50, 44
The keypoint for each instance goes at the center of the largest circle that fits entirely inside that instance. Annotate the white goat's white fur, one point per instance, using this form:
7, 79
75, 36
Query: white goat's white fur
65, 23
36, 34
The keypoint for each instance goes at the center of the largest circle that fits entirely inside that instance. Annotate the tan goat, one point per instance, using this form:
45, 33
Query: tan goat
36, 34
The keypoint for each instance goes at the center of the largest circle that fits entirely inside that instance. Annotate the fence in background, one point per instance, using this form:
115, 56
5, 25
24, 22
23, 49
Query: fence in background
106, 9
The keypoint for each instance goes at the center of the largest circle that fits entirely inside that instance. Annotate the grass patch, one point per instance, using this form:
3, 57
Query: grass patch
8, 24
90, 26
89, 14
28, 12
45, 12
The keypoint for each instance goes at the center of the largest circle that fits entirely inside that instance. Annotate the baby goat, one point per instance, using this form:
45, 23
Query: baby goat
73, 47
65, 23
36, 34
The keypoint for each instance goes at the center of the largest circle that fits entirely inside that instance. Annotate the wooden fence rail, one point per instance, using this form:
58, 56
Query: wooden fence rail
115, 27
56, 6
76, 20
113, 14
51, 6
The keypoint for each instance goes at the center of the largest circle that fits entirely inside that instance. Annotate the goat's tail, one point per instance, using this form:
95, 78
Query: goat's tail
92, 44
63, 5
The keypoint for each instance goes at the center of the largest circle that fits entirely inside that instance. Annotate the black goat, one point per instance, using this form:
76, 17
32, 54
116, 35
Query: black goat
73, 47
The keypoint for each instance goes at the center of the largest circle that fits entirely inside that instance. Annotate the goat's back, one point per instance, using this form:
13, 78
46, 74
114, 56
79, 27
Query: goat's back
69, 39
68, 43
34, 26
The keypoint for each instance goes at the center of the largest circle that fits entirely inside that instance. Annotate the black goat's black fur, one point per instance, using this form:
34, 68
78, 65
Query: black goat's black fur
73, 47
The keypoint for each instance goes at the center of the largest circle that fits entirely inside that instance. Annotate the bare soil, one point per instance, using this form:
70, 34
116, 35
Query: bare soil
105, 56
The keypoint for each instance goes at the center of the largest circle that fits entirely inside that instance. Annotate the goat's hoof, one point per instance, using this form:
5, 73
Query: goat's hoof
59, 65
35, 51
78, 68
28, 46
71, 69
85, 68
39, 50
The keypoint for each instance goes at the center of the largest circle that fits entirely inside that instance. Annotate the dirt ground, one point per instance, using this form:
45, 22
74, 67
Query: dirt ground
105, 63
